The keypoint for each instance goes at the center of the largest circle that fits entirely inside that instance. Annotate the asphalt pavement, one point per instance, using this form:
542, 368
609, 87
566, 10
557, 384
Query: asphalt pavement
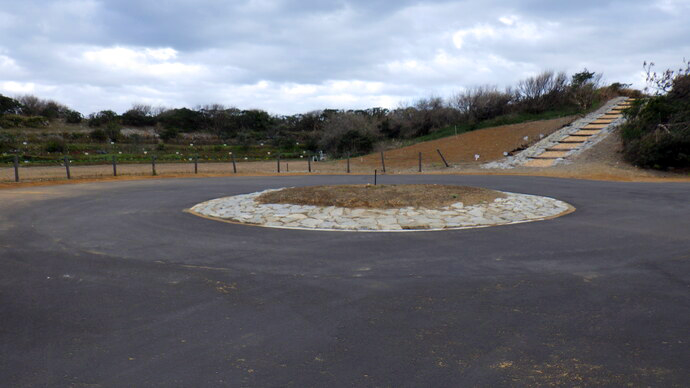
113, 285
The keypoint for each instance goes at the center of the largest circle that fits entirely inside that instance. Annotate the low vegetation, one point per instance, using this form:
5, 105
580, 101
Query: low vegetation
657, 132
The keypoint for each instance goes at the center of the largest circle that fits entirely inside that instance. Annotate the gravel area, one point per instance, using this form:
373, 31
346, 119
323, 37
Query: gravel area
511, 209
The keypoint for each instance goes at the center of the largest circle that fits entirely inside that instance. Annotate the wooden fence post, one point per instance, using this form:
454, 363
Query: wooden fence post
69, 176
442, 158
383, 163
16, 168
114, 165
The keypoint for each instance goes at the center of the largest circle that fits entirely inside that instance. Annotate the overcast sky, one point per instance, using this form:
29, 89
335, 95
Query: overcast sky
295, 56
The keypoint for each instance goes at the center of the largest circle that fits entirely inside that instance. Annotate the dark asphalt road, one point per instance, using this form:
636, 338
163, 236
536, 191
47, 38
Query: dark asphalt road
113, 285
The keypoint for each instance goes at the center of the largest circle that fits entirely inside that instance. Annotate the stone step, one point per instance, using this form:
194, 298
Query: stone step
595, 126
574, 139
586, 132
560, 149
540, 163
546, 157
552, 154
564, 147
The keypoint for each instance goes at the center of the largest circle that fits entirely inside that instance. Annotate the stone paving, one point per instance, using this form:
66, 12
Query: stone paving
513, 209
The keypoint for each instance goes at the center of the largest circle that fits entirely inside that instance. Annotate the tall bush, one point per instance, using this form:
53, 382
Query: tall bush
482, 103
657, 133
9, 105
348, 133
548, 90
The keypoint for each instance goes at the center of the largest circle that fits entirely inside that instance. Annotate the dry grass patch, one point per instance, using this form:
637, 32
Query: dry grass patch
381, 196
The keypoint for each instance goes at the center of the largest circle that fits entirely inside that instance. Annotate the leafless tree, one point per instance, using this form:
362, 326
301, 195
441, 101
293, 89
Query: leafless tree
543, 91
482, 102
347, 132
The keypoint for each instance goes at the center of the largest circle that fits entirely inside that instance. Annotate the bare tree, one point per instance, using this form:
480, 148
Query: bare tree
348, 133
31, 105
544, 91
482, 102
142, 109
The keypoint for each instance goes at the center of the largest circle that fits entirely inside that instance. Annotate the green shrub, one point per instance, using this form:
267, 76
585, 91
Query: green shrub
11, 121
185, 120
101, 118
138, 116
8, 142
169, 134
17, 121
355, 142
73, 117
657, 133
36, 122
9, 105
55, 145
112, 131
348, 133
98, 135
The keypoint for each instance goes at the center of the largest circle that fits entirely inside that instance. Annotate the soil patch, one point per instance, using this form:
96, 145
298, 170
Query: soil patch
488, 143
381, 196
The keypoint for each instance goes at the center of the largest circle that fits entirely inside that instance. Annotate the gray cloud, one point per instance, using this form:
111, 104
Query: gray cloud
293, 56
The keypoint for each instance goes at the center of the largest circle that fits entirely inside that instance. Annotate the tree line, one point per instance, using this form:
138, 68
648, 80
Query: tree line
335, 131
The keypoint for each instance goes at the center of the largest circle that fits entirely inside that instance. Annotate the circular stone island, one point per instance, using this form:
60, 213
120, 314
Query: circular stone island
381, 208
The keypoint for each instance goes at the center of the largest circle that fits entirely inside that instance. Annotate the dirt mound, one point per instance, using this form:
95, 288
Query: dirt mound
489, 144
381, 196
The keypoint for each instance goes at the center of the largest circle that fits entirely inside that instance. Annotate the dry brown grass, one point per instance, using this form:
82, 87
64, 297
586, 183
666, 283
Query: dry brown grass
381, 196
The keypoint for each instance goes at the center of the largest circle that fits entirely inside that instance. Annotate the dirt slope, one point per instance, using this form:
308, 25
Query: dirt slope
489, 144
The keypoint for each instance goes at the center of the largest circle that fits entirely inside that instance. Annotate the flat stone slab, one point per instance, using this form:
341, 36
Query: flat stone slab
553, 154
586, 132
574, 139
540, 163
595, 126
513, 209
565, 146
